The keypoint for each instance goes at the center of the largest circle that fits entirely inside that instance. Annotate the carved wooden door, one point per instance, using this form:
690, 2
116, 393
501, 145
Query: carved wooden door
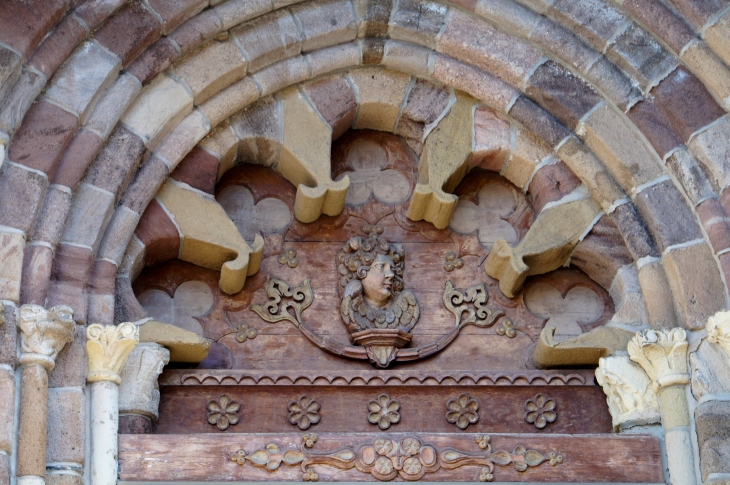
290, 392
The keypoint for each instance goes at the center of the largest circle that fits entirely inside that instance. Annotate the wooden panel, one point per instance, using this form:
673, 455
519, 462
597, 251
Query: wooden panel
422, 408
586, 458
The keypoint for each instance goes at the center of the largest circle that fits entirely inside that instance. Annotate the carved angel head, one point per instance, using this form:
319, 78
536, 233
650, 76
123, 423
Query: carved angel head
374, 263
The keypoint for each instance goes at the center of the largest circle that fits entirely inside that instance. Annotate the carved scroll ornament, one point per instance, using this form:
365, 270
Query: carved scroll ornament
298, 300
385, 458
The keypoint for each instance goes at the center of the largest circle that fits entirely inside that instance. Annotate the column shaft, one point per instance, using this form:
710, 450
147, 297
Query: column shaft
104, 425
32, 424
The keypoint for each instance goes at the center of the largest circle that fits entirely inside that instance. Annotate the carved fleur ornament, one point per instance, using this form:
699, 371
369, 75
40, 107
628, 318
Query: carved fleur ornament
108, 347
386, 458
223, 412
462, 411
44, 333
663, 356
718, 330
540, 411
383, 411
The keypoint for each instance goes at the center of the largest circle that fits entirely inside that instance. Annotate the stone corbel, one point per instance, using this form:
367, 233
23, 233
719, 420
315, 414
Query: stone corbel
43, 333
629, 394
139, 393
584, 350
107, 347
546, 246
663, 356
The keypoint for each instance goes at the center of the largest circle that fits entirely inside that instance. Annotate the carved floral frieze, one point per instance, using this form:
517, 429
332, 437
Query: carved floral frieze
223, 412
462, 411
384, 411
540, 411
386, 458
303, 412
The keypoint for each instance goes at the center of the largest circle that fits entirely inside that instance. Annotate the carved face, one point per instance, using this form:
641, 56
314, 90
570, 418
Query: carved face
378, 284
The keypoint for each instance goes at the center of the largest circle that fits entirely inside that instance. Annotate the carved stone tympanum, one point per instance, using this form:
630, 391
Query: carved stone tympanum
377, 311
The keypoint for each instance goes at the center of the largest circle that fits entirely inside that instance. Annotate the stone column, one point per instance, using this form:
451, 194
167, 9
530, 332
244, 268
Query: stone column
663, 356
42, 335
139, 394
107, 347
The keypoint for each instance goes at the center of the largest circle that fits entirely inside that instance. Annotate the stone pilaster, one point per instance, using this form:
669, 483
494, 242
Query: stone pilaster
43, 334
663, 356
139, 393
107, 348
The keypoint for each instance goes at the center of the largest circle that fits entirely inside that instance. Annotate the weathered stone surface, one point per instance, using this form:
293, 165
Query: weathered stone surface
717, 36
492, 140
696, 284
661, 21
712, 147
159, 235
381, 93
637, 53
76, 159
260, 130
160, 106
713, 430
66, 426
63, 479
19, 98
527, 154
24, 24
37, 263
200, 28
230, 100
551, 36
695, 177
709, 68
83, 77
716, 223
32, 421
335, 101
222, 142
509, 15
117, 162
698, 12
199, 169
595, 20
282, 74
418, 22
602, 252
134, 424
406, 57
550, 183
426, 104
564, 95
70, 369
539, 121
154, 60
70, 272
146, 181
129, 31
21, 195
634, 231
10, 68
677, 107
126, 306
90, 211
615, 141
7, 409
11, 254
112, 104
710, 371
175, 12
666, 214
477, 43
486, 88
326, 23
182, 138
101, 288
374, 16
43, 136
234, 12
184, 345
211, 67
332, 59
628, 298
373, 51
8, 336
94, 12
5, 471
118, 231
139, 393
57, 46
614, 83
268, 39
591, 172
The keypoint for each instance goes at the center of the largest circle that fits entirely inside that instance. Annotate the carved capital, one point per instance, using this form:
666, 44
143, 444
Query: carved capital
139, 392
630, 397
718, 330
43, 333
108, 347
663, 356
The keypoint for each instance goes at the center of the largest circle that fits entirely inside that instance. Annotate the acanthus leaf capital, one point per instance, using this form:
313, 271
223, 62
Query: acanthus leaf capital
662, 354
108, 347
